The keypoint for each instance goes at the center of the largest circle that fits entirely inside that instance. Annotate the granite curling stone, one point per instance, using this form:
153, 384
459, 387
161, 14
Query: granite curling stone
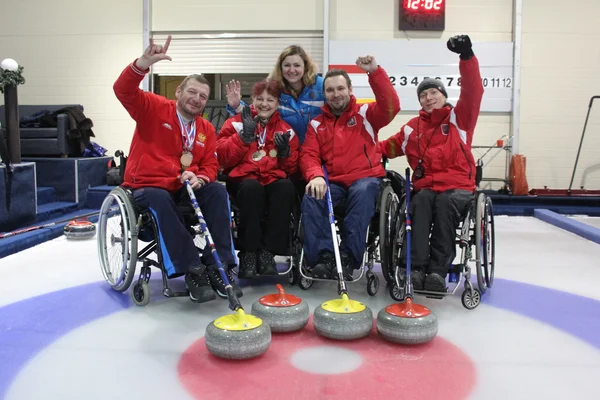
79, 230
281, 311
407, 323
238, 336
343, 319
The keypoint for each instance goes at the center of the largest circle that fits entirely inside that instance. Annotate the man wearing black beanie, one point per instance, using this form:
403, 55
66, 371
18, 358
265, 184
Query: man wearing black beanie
437, 145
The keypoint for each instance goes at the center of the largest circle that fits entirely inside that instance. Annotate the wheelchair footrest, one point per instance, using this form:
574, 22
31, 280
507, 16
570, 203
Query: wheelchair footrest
432, 295
169, 293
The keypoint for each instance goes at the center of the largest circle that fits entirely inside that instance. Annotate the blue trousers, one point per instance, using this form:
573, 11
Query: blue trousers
360, 200
176, 244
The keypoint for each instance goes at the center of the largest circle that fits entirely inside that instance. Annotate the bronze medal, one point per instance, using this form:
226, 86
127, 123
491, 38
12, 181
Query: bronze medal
273, 153
186, 159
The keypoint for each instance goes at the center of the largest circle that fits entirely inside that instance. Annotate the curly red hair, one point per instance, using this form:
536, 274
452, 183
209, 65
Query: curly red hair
271, 86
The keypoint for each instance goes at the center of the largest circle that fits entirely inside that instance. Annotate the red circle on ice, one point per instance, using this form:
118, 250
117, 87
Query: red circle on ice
436, 370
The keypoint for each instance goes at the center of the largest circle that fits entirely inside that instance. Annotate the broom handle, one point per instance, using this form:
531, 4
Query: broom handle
234, 302
581, 140
342, 289
48, 225
408, 290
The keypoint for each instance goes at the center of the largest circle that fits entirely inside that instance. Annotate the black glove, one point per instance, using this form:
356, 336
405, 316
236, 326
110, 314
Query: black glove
461, 44
248, 133
282, 142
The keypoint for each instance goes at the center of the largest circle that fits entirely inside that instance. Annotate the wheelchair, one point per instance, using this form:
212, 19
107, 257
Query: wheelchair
291, 260
475, 231
121, 228
378, 240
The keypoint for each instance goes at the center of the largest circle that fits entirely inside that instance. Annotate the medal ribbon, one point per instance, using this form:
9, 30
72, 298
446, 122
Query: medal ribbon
188, 135
261, 138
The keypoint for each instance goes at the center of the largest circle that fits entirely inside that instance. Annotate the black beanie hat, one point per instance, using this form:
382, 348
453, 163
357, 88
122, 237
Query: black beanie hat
429, 83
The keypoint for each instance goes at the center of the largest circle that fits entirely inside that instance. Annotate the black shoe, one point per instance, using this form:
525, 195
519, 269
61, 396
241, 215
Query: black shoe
417, 278
217, 282
266, 263
199, 287
247, 268
324, 267
435, 283
347, 267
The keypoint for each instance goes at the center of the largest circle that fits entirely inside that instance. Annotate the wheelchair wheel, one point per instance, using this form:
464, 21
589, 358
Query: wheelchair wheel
372, 283
293, 276
469, 301
396, 292
140, 293
304, 283
485, 250
117, 239
396, 245
387, 223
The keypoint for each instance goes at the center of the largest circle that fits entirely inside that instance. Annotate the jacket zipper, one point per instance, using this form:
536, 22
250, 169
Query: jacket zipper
467, 159
366, 155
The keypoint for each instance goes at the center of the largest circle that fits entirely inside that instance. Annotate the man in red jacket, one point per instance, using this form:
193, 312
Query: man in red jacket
344, 139
173, 143
437, 145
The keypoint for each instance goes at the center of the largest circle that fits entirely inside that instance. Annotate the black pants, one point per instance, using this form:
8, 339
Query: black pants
438, 215
175, 241
272, 204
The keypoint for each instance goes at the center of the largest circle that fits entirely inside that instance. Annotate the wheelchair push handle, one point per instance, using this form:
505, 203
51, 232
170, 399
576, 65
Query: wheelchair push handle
342, 289
234, 302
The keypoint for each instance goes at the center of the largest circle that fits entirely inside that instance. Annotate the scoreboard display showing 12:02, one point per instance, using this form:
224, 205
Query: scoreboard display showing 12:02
422, 15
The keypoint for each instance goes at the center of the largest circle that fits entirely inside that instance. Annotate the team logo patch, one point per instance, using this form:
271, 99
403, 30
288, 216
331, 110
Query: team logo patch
201, 137
445, 129
351, 122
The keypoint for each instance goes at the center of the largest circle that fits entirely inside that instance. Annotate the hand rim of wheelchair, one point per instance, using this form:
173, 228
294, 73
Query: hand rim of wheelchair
128, 236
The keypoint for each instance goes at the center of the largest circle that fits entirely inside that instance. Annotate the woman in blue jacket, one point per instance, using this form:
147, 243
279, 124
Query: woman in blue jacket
303, 95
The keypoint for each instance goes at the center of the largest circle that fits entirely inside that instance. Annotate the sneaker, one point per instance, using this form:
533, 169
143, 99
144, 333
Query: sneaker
266, 263
435, 283
324, 267
248, 262
199, 287
417, 278
217, 282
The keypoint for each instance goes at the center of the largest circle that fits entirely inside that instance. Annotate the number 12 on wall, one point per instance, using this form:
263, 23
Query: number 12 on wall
451, 81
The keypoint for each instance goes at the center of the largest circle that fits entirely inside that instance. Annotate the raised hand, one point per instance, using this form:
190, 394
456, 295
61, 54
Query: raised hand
234, 93
282, 142
153, 54
248, 133
367, 63
461, 44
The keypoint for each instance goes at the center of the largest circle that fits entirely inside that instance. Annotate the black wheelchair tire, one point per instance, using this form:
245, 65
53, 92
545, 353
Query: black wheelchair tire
387, 221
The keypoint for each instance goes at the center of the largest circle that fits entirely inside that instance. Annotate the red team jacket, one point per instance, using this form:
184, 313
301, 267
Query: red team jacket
443, 138
236, 157
157, 142
347, 145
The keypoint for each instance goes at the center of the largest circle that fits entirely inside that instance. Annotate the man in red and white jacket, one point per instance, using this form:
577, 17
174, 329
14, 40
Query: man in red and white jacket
172, 143
344, 140
437, 145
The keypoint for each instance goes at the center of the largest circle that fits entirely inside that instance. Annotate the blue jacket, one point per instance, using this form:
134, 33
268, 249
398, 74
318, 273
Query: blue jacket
298, 113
